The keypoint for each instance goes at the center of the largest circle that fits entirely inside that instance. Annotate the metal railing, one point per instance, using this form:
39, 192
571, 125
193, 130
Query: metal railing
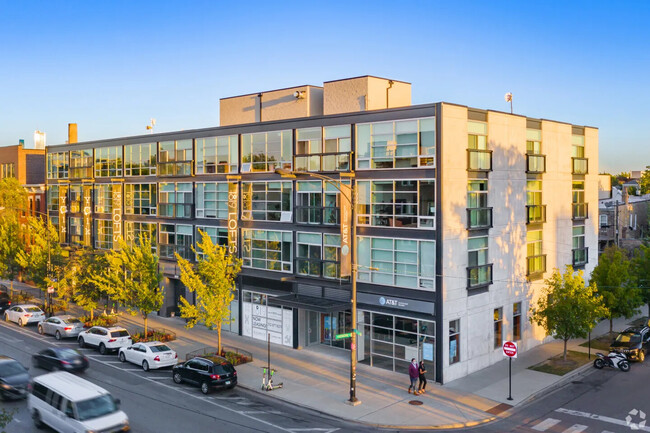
317, 215
479, 160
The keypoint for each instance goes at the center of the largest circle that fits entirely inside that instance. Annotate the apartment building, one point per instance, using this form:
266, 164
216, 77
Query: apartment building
461, 213
28, 167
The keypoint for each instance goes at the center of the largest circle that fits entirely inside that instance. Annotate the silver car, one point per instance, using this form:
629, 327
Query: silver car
61, 327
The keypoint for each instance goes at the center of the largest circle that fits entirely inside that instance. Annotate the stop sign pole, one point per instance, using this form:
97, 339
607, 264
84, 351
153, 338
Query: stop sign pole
510, 350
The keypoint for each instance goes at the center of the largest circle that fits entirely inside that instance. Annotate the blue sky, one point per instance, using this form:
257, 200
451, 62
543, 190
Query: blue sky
111, 66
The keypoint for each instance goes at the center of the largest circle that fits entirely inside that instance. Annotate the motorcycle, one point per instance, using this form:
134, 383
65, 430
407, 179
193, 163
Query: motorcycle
614, 360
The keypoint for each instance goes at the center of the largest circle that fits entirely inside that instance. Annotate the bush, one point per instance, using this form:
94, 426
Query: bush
103, 320
233, 357
153, 335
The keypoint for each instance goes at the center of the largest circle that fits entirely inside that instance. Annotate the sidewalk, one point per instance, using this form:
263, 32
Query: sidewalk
318, 377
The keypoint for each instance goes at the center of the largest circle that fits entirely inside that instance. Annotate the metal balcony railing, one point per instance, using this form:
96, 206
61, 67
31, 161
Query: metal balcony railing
536, 163
479, 160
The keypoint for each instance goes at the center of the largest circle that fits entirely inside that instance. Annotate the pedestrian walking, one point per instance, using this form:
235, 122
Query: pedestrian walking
423, 379
413, 375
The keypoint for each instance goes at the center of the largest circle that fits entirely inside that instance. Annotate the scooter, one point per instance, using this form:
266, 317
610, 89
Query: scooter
267, 380
614, 360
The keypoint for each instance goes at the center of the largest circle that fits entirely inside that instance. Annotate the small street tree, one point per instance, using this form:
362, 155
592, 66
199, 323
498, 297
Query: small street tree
212, 278
83, 285
640, 272
132, 278
6, 416
612, 278
567, 309
644, 182
13, 201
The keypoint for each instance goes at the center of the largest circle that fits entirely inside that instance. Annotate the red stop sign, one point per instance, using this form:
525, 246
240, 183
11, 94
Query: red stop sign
510, 349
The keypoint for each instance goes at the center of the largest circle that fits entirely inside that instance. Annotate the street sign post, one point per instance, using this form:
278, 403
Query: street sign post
50, 289
509, 350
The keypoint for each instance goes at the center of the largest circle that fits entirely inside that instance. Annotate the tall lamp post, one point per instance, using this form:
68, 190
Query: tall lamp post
349, 193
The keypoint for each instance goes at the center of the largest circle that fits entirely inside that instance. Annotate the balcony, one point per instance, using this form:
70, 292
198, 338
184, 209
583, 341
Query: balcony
317, 215
318, 268
479, 276
580, 256
479, 160
335, 161
175, 210
535, 163
175, 168
479, 218
536, 265
580, 165
580, 211
535, 214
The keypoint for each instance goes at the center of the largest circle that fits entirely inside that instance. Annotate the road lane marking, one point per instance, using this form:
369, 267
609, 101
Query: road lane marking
9, 339
596, 417
576, 428
546, 424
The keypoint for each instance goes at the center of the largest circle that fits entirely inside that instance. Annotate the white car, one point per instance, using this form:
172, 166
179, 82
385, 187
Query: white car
105, 339
152, 354
24, 314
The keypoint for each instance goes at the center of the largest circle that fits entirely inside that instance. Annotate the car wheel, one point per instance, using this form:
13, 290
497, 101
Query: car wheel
38, 423
205, 388
81, 342
122, 357
624, 366
20, 322
177, 378
145, 365
57, 335
598, 363
40, 329
641, 355
102, 349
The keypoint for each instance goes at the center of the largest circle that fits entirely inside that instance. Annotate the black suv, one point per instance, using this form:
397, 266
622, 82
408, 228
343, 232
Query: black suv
215, 372
633, 342
13, 379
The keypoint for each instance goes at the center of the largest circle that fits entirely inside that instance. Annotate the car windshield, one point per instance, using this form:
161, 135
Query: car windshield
96, 407
68, 354
71, 320
160, 348
33, 309
11, 368
225, 368
628, 337
121, 333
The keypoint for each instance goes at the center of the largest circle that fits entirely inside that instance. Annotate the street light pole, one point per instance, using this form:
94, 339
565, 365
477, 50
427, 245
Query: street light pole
351, 197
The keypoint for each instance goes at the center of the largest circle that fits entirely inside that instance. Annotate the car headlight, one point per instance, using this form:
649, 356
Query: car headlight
5, 386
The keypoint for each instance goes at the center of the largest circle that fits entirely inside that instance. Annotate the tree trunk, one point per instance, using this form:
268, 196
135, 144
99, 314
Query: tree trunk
92, 314
11, 290
144, 316
611, 324
565, 342
219, 340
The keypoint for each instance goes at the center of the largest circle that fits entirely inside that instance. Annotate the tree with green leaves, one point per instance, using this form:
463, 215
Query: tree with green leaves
567, 308
6, 416
13, 196
132, 278
82, 285
640, 272
212, 278
612, 277
644, 182
13, 201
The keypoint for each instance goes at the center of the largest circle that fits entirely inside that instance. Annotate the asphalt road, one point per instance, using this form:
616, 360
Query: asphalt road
155, 404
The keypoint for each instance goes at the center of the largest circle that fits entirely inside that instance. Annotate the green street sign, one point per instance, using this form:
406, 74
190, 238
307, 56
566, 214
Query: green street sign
341, 336
356, 331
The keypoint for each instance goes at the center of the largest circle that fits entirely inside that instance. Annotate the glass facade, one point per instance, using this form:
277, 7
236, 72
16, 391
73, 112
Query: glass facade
318, 255
58, 165
175, 158
81, 164
266, 151
140, 199
397, 203
217, 155
317, 203
323, 149
478, 154
103, 198
135, 229
175, 200
140, 160
267, 249
175, 238
479, 271
212, 200
103, 234
108, 161
267, 201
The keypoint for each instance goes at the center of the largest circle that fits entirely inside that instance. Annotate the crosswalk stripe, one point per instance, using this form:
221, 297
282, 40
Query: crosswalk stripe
575, 428
546, 424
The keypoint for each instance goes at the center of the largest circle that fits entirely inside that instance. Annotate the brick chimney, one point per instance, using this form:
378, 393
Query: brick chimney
72, 132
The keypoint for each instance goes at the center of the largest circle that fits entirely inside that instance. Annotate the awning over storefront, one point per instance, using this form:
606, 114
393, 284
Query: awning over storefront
321, 305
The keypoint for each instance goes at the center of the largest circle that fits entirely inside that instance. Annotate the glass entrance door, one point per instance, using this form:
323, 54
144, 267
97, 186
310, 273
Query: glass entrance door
313, 327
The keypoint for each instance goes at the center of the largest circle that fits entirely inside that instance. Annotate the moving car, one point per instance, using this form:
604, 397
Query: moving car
105, 339
24, 314
5, 302
153, 354
68, 403
60, 358
634, 342
215, 372
61, 327
13, 379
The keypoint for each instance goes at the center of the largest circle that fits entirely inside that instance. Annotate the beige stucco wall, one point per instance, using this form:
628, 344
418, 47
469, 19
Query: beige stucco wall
364, 93
276, 105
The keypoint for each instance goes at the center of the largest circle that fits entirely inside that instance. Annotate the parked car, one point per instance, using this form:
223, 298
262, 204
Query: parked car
14, 379
216, 372
24, 314
5, 302
105, 339
152, 354
60, 358
634, 342
3, 288
61, 327
68, 403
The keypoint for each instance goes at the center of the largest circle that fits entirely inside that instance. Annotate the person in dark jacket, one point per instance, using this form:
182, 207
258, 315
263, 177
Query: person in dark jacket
413, 375
423, 379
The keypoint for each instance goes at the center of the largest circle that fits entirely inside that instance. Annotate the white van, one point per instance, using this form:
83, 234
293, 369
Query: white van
68, 403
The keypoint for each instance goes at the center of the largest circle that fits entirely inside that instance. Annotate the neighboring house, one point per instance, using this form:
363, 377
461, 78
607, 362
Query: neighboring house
627, 212
462, 213
28, 166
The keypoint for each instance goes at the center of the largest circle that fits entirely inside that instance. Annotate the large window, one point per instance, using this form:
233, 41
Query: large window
498, 327
140, 159
479, 271
399, 144
266, 151
103, 234
318, 255
175, 200
216, 155
579, 250
212, 200
535, 161
81, 164
7, 170
478, 154
535, 210
53, 198
266, 201
454, 341
579, 211
135, 229
76, 231
75, 198
479, 215
315, 205
265, 249
397, 262
399, 203
579, 162
175, 158
312, 154
57, 165
175, 238
103, 198
108, 161
140, 199
536, 259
